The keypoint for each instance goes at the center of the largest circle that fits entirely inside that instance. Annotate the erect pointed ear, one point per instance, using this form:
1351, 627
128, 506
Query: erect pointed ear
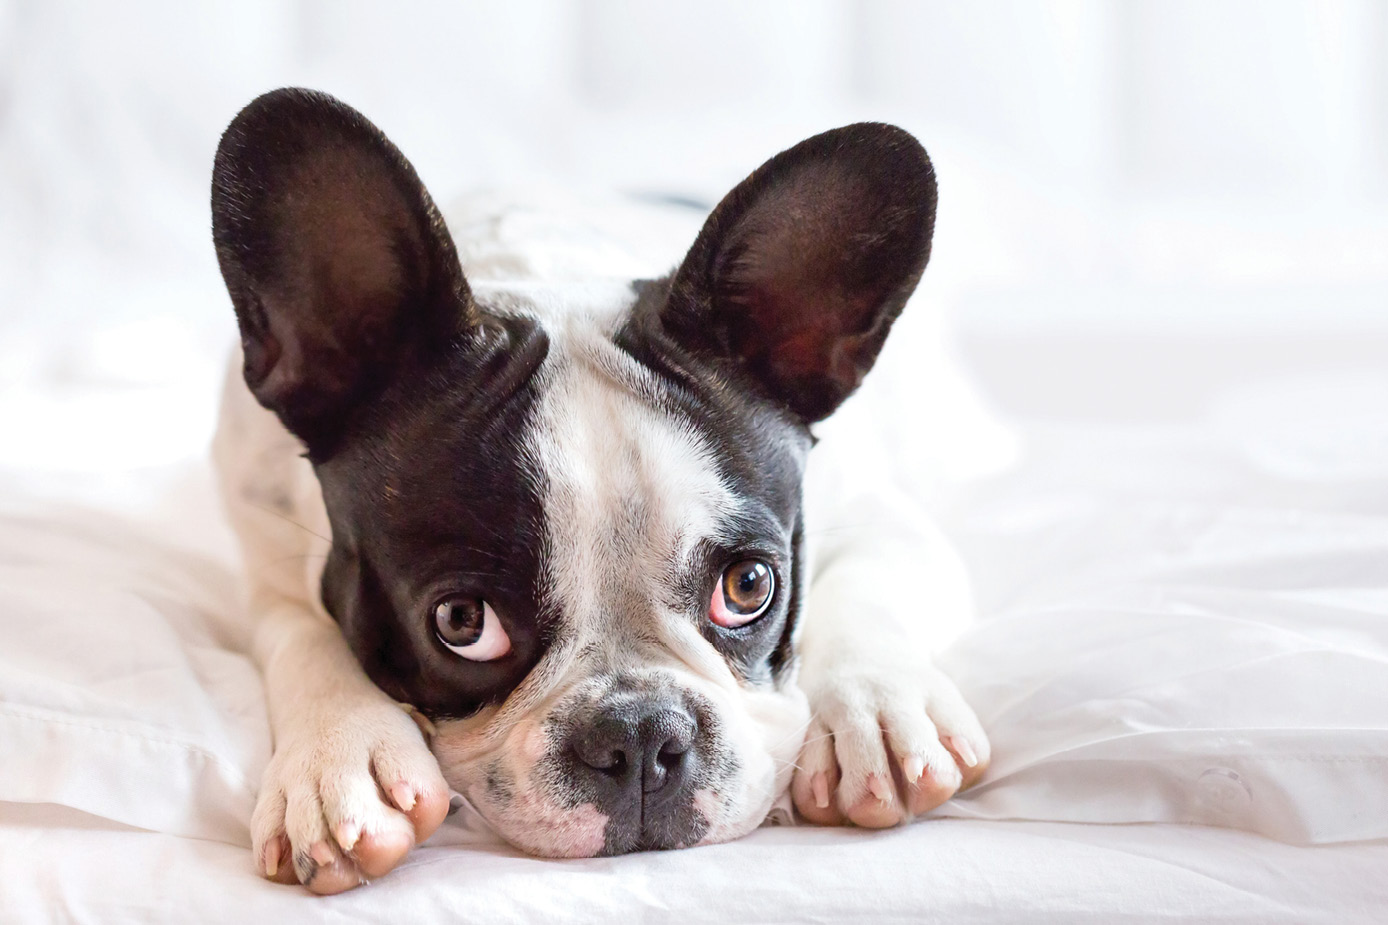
800, 271
338, 263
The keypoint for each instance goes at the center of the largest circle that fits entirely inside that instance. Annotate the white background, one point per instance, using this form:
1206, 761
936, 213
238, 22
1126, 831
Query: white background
1208, 169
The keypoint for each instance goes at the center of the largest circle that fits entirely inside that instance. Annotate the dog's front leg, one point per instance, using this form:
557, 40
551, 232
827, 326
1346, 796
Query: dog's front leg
352, 785
890, 735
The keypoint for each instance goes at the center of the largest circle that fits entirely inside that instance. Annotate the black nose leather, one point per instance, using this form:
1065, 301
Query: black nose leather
635, 752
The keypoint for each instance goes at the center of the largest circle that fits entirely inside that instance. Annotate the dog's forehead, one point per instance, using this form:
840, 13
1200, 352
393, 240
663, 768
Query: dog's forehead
630, 485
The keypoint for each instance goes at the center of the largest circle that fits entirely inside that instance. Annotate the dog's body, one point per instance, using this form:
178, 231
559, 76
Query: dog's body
559, 513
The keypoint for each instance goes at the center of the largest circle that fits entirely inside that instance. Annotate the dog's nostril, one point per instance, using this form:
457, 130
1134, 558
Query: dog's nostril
616, 764
669, 760
672, 753
608, 760
638, 747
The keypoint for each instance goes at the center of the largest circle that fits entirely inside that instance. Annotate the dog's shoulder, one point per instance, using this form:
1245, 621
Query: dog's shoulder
270, 493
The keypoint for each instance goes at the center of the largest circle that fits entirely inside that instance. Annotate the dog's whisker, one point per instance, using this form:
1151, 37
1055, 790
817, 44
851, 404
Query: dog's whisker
794, 735
298, 557
287, 519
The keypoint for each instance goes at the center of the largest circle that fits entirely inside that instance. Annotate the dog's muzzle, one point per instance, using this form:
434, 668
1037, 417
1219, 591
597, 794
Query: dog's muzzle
639, 756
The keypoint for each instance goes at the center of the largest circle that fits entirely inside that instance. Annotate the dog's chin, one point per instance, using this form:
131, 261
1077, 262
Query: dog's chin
581, 831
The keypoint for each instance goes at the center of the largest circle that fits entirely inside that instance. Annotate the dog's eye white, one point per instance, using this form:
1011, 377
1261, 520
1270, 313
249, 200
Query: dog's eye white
469, 627
743, 594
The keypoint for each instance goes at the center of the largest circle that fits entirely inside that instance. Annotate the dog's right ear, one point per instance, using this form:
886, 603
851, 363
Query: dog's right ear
338, 264
799, 273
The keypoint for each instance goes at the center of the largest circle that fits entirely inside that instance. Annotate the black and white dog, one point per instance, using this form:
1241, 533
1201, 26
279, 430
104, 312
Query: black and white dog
568, 573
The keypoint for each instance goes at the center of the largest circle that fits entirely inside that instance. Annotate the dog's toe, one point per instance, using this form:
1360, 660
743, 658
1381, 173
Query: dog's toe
323, 871
937, 782
377, 853
885, 747
413, 784
867, 792
877, 808
276, 862
341, 805
814, 787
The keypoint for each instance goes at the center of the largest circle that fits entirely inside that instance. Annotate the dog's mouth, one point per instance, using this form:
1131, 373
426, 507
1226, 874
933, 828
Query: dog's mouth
546, 825
657, 838
631, 773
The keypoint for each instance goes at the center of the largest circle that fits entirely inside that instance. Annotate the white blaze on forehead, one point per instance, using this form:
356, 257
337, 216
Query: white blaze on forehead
629, 491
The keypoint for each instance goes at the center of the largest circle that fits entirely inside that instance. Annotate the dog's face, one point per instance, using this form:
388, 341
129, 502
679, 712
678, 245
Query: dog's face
566, 520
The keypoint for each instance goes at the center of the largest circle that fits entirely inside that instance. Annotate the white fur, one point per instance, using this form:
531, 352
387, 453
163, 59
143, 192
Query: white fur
885, 590
336, 735
628, 493
601, 451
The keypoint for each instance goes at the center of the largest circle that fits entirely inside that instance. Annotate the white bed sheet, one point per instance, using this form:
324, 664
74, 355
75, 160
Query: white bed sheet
1182, 623
64, 866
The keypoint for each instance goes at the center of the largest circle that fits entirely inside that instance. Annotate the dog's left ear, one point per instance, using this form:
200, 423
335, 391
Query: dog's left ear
800, 271
337, 262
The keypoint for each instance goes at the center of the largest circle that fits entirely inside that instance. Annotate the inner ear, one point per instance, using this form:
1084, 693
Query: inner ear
337, 262
800, 271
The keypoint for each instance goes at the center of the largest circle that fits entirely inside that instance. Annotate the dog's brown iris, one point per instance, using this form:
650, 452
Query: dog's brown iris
460, 620
747, 586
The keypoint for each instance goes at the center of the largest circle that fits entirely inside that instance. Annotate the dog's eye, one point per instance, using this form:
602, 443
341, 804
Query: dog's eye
743, 594
469, 627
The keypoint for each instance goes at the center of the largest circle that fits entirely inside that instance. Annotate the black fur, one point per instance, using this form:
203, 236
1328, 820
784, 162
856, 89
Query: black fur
760, 450
429, 496
338, 263
414, 400
798, 274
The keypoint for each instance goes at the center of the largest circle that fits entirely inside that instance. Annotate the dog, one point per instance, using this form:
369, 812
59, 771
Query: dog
566, 548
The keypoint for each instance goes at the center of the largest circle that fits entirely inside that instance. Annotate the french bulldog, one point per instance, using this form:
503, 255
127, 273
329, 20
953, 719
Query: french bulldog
557, 545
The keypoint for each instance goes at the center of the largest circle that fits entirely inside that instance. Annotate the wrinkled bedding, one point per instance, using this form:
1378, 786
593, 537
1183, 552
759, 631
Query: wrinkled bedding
1182, 658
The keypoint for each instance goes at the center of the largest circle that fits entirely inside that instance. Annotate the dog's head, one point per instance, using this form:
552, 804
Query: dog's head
566, 521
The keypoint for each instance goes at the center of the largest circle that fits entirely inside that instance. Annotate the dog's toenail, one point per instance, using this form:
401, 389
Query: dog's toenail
964, 750
403, 797
347, 834
272, 857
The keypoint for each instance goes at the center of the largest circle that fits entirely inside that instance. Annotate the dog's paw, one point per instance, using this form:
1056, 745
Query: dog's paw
346, 799
885, 745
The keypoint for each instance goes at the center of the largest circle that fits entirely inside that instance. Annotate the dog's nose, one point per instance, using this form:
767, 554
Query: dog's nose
636, 752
